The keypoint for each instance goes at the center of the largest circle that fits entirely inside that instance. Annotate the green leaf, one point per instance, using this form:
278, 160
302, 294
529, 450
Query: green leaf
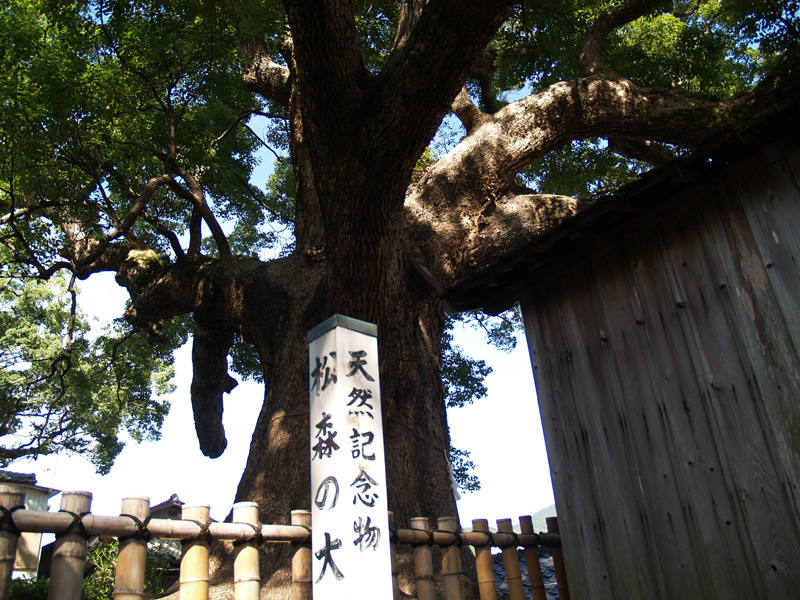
76, 391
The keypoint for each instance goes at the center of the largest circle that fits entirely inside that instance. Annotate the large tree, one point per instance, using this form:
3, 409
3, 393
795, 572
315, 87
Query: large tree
129, 129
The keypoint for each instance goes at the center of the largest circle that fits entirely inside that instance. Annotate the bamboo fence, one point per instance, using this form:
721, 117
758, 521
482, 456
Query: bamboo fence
74, 524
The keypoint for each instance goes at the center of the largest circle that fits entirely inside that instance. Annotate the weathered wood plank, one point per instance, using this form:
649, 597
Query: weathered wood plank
670, 403
711, 349
667, 375
605, 446
761, 404
546, 344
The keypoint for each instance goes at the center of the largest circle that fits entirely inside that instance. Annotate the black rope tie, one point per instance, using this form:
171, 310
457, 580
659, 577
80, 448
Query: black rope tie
142, 534
457, 542
513, 544
489, 539
77, 522
8, 517
427, 542
205, 533
257, 537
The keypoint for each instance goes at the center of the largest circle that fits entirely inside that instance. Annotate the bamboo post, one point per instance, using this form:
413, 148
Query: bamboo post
532, 560
516, 591
423, 562
246, 574
558, 561
69, 551
483, 562
194, 562
10, 498
129, 582
451, 562
393, 553
301, 559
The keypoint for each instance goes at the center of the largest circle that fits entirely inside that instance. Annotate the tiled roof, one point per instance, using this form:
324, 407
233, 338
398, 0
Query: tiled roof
170, 548
545, 564
11, 476
173, 500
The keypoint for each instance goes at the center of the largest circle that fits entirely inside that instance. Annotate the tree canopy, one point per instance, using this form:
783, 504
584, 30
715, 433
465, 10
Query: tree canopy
133, 138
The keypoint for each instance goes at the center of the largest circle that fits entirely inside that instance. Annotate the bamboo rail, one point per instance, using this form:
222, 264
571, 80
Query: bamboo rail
246, 573
516, 591
301, 558
70, 549
483, 563
75, 524
173, 529
129, 581
558, 561
169, 529
423, 559
474, 538
451, 562
194, 561
11, 500
532, 558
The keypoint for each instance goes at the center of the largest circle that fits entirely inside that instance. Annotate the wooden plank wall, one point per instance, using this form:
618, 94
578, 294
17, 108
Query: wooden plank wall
668, 374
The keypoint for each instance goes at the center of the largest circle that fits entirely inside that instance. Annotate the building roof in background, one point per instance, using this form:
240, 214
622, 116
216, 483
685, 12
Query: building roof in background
25, 479
12, 477
545, 565
171, 502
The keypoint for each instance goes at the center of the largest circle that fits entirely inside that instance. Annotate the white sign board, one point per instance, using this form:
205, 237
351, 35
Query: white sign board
349, 520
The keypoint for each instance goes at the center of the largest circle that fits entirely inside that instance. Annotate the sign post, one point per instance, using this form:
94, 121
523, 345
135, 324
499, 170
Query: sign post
349, 514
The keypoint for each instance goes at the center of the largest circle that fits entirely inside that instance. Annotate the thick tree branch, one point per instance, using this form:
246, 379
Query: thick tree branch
410, 11
483, 72
196, 197
511, 222
466, 110
458, 239
267, 78
470, 192
590, 55
84, 249
18, 213
593, 106
422, 77
652, 153
226, 299
110, 260
14, 453
160, 291
161, 229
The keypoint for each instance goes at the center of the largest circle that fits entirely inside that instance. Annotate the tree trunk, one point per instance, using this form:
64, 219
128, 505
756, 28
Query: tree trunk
410, 325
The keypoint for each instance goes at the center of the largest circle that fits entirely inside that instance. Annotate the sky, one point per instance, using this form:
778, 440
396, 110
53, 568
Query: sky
503, 431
